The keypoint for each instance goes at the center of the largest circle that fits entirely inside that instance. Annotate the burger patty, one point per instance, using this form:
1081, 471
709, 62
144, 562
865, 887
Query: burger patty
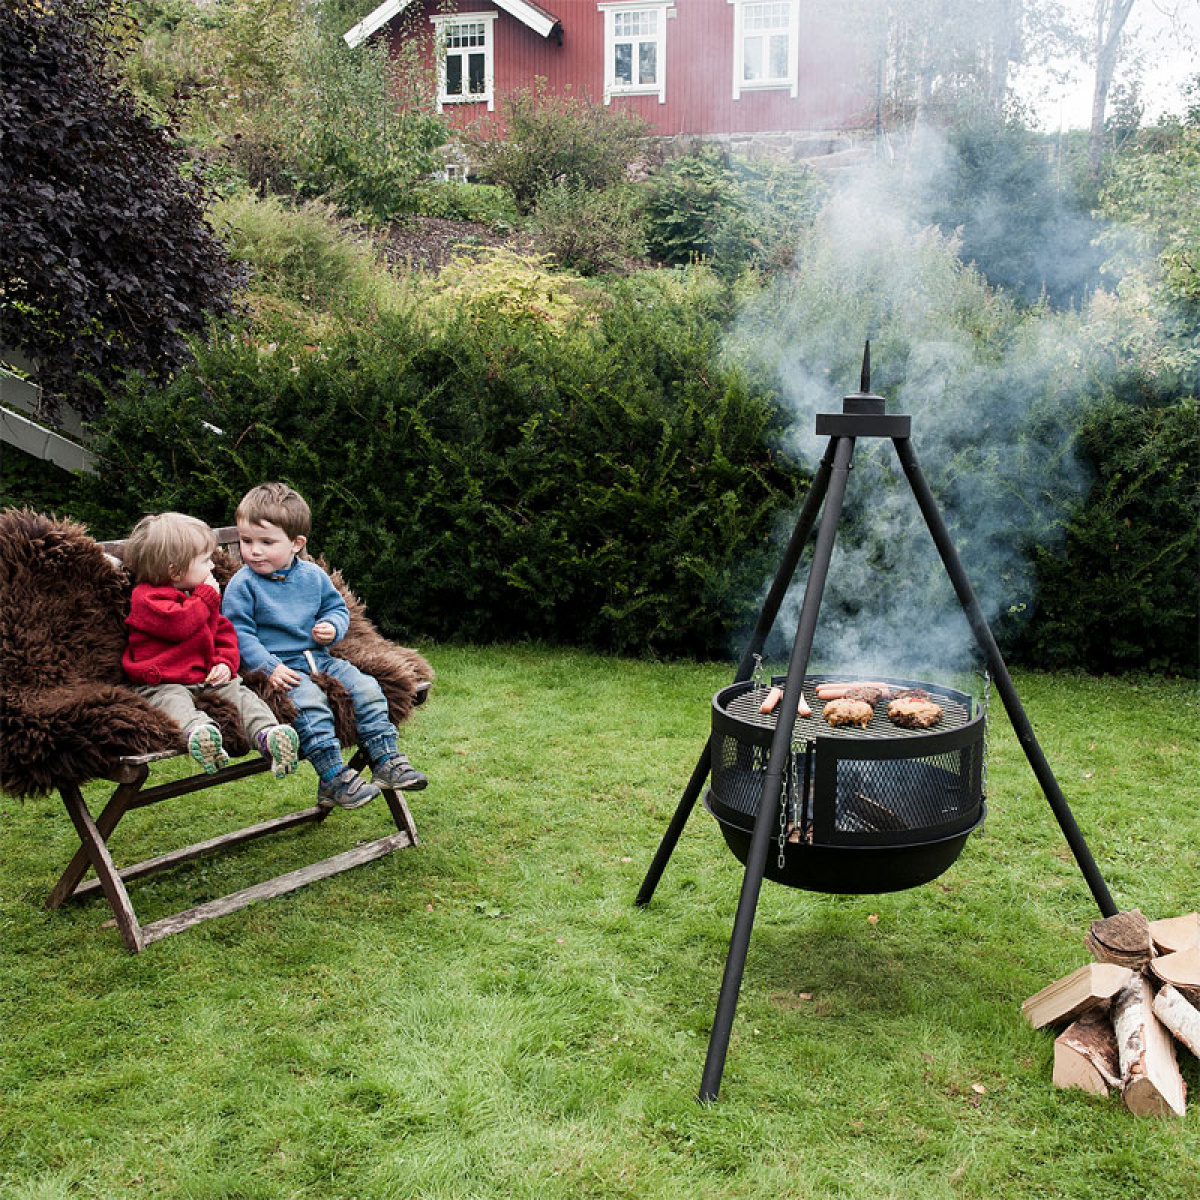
848, 712
913, 713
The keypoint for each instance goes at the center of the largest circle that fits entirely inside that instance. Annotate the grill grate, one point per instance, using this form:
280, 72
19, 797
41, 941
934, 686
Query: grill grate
956, 711
878, 785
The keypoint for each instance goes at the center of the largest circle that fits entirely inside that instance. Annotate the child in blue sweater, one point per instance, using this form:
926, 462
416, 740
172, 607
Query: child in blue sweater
286, 612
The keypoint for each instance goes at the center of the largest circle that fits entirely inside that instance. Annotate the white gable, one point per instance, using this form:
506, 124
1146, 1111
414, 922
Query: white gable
537, 18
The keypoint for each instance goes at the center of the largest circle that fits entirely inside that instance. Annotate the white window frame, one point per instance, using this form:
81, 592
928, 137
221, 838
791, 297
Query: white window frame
791, 80
661, 10
441, 26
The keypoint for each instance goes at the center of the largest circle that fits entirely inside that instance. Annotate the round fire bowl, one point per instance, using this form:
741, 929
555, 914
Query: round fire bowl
875, 808
845, 870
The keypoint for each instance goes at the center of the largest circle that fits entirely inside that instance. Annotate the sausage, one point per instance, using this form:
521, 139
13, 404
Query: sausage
837, 691
773, 698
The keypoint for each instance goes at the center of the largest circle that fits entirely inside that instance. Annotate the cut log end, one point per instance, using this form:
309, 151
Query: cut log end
1085, 1056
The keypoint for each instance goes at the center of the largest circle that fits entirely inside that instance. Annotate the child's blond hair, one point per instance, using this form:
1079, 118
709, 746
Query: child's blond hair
276, 504
164, 544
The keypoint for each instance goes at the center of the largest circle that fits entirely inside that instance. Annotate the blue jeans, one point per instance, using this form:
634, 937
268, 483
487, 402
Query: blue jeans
314, 719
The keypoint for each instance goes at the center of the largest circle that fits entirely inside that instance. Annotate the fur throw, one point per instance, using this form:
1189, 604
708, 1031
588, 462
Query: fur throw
66, 713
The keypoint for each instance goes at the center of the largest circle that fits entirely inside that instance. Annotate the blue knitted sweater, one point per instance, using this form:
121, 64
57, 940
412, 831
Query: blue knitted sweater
274, 614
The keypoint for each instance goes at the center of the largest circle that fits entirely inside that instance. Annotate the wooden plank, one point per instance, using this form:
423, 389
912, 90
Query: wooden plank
102, 864
1182, 969
396, 803
43, 443
253, 765
280, 885
227, 540
140, 760
400, 814
173, 858
1066, 998
1123, 938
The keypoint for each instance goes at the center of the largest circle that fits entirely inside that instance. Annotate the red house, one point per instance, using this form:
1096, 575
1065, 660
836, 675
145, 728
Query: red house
707, 68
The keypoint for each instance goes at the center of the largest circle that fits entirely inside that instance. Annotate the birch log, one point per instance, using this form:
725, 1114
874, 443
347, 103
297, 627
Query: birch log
1180, 1017
1151, 1082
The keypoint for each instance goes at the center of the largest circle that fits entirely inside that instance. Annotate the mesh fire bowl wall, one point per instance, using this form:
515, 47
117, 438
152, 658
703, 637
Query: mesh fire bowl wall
877, 809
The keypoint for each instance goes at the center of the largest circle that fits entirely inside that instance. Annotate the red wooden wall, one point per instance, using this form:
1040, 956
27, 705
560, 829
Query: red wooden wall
836, 81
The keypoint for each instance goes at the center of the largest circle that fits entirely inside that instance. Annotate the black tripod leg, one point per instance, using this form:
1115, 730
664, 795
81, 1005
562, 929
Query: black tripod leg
766, 619
683, 810
1004, 683
781, 744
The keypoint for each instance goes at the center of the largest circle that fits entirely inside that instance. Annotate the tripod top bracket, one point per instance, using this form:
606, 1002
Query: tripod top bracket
864, 424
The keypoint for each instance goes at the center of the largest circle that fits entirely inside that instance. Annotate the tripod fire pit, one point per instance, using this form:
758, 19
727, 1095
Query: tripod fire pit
864, 807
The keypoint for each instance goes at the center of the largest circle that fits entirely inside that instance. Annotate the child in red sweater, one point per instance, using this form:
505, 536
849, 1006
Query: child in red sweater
180, 644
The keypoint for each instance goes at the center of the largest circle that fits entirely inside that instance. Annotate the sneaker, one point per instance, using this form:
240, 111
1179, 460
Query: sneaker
282, 746
204, 745
397, 772
347, 789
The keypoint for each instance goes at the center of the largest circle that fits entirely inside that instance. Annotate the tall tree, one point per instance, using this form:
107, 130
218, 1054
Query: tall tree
1109, 22
953, 59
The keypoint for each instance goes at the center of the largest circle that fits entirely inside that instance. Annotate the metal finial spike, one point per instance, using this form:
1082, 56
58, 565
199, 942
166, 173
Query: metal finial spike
865, 382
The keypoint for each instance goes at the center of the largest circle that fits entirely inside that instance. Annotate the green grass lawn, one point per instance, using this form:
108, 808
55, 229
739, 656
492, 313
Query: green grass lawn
489, 1015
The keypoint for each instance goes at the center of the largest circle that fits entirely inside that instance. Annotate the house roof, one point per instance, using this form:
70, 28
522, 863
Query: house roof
537, 18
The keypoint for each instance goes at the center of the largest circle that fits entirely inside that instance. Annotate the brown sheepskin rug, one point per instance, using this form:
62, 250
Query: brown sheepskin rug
65, 712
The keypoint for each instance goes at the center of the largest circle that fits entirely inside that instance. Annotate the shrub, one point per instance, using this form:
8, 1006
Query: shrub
1022, 230
1041, 432
731, 213
306, 254
546, 139
360, 128
108, 259
590, 232
598, 481
1122, 595
502, 289
483, 203
692, 201
41, 485
1152, 187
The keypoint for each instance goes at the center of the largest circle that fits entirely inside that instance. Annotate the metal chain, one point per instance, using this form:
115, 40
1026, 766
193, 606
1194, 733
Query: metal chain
756, 680
790, 803
783, 811
987, 702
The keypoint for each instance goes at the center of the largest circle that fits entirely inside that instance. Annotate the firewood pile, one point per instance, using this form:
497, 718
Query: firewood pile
1125, 1011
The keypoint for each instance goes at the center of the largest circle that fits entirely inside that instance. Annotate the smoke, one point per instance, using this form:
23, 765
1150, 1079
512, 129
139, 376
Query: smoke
994, 392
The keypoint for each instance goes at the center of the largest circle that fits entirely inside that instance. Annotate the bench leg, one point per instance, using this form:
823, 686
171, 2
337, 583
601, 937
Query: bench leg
94, 846
395, 801
106, 822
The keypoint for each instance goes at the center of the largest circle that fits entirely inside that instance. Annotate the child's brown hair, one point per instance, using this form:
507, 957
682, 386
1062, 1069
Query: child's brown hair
276, 504
164, 544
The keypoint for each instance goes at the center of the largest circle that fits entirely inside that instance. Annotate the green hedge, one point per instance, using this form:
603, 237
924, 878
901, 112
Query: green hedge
578, 466
1123, 594
605, 484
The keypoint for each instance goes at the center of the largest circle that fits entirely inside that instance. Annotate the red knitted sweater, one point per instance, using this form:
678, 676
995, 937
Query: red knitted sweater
177, 637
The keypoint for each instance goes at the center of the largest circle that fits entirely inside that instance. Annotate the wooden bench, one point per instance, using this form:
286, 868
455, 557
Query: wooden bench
131, 774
